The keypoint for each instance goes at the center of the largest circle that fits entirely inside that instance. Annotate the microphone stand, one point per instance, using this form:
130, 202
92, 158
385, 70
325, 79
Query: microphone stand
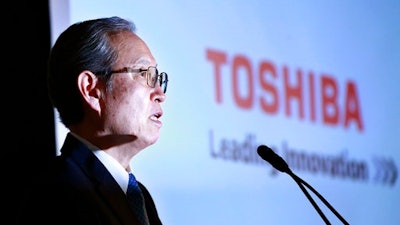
300, 182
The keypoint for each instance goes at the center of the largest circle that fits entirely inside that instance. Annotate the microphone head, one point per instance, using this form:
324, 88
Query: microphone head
275, 160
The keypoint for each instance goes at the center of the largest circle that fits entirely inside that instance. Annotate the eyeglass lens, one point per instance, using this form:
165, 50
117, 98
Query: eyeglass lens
153, 77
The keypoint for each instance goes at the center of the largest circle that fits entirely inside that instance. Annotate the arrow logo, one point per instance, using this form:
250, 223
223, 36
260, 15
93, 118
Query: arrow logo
386, 171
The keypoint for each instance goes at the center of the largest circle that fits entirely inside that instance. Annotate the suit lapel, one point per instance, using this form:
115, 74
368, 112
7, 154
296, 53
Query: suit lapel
106, 187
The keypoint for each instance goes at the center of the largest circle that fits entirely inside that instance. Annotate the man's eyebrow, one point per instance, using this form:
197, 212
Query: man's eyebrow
142, 60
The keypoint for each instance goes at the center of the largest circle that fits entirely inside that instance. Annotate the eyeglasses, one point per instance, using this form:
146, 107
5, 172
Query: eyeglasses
152, 76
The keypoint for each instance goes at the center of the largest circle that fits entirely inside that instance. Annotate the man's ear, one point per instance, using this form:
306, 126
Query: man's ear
89, 86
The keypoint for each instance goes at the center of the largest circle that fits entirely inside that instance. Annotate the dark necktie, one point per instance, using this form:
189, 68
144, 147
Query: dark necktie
136, 200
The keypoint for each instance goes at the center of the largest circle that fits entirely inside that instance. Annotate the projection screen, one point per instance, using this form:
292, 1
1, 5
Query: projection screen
317, 81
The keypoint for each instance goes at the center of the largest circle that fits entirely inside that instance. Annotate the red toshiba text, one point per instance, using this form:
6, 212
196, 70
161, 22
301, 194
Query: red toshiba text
335, 107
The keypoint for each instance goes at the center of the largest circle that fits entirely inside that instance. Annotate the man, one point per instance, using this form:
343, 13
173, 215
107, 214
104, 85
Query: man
103, 81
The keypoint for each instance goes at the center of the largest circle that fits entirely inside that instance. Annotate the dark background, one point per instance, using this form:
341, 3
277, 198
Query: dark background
28, 120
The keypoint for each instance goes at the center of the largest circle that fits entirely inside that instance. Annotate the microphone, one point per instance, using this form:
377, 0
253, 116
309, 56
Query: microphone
275, 160
280, 164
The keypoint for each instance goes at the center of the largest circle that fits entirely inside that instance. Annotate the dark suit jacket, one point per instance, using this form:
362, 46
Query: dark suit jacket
78, 190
